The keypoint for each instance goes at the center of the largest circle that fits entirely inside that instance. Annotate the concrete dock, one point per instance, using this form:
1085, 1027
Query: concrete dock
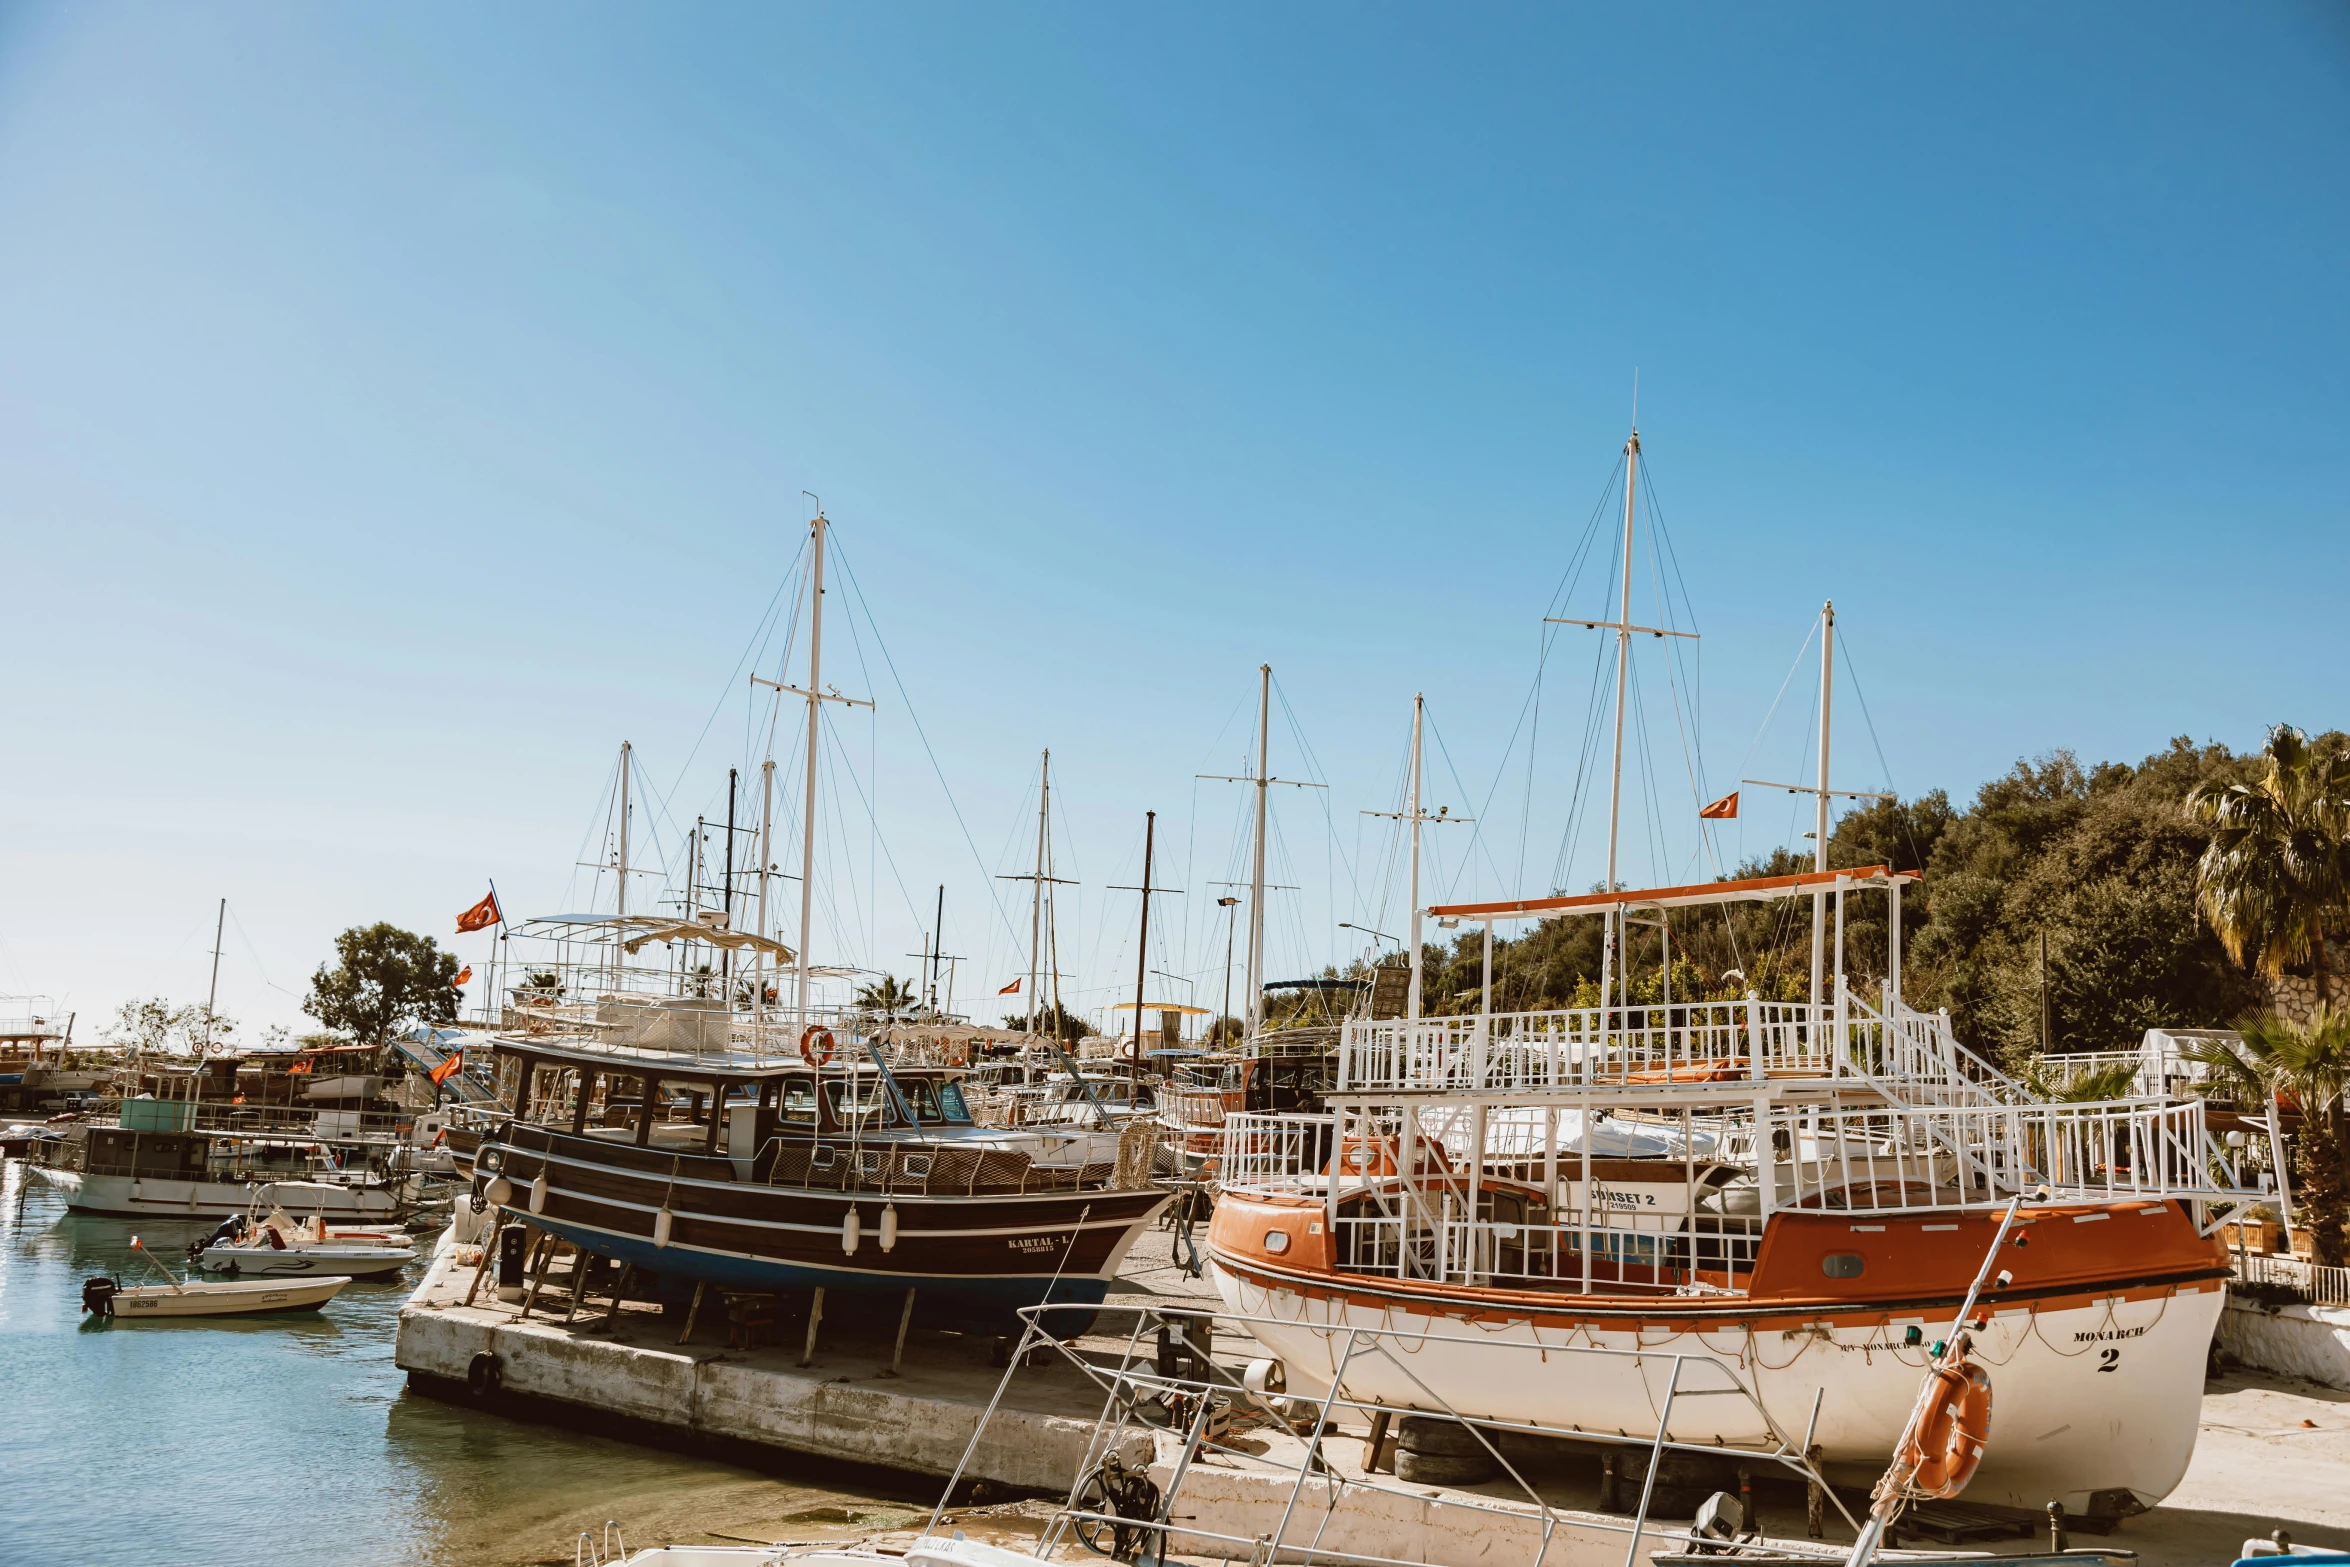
2273, 1453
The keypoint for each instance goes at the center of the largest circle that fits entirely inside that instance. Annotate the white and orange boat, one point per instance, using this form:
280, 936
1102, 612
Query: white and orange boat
1801, 1192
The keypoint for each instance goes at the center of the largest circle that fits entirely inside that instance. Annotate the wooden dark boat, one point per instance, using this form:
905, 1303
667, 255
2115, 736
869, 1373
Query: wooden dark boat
782, 1177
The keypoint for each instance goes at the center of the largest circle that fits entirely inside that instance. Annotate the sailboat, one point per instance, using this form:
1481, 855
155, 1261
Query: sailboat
715, 1140
1793, 1191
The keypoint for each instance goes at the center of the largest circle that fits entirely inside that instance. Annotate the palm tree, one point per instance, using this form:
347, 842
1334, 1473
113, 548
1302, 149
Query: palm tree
2308, 1063
2278, 865
2046, 1077
889, 996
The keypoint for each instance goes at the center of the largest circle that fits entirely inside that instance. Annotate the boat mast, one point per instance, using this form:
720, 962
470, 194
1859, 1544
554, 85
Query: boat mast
1819, 852
1256, 875
816, 697
766, 864
219, 924
1419, 706
1044, 796
620, 922
1142, 955
1623, 629
808, 801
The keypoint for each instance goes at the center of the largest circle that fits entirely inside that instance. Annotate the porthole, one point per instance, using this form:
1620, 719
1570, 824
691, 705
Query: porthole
1276, 1241
1842, 1264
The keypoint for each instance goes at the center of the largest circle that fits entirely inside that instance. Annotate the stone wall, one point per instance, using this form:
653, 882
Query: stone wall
2295, 995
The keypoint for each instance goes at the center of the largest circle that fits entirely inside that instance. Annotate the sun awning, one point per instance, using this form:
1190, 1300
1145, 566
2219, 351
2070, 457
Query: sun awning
717, 936
1162, 1006
1758, 889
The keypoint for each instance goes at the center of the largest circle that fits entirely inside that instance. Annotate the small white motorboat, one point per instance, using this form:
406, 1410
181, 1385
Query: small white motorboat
272, 1244
110, 1297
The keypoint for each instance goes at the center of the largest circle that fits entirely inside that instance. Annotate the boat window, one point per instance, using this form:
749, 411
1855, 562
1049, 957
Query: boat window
1842, 1265
797, 1102
951, 1105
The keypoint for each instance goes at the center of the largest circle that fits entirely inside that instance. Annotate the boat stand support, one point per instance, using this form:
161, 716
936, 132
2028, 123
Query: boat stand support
815, 1315
897, 1356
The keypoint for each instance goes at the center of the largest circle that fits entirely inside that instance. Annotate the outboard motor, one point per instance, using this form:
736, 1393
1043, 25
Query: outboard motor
231, 1229
98, 1296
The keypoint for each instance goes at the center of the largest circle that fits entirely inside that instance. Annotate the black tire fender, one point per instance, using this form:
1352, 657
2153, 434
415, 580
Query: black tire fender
484, 1375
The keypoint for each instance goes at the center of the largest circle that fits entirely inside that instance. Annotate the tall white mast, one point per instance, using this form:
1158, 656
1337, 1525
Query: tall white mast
816, 697
1264, 781
1819, 852
1615, 799
620, 926
1256, 875
1821, 793
1414, 814
1044, 795
815, 708
766, 865
1419, 706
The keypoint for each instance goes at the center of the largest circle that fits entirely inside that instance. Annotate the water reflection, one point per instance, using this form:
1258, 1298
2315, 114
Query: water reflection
266, 1440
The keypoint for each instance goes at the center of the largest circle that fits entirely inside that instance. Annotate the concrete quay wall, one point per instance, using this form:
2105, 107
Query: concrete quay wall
841, 1409
2311, 1342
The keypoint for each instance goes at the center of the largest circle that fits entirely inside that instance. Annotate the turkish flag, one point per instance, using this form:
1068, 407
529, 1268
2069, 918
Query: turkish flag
1012, 989
449, 1068
1723, 809
465, 974
303, 1065
481, 916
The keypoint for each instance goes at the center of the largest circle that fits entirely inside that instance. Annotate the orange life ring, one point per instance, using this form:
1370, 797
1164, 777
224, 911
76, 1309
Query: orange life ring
1952, 1427
810, 1051
958, 1053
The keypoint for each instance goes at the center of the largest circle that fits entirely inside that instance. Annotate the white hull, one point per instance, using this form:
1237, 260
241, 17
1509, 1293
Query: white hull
205, 1298
150, 1197
264, 1262
2096, 1397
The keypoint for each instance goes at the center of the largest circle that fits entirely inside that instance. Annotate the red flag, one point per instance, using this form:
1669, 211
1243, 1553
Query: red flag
481, 916
1723, 809
464, 974
449, 1068
303, 1065
1012, 989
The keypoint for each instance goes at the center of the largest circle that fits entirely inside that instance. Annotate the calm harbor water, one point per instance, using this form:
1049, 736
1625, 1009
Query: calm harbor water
294, 1439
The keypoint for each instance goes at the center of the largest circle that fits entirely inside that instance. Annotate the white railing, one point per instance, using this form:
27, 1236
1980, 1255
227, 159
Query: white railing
1891, 1159
1912, 1055
1279, 1153
2319, 1285
1926, 1157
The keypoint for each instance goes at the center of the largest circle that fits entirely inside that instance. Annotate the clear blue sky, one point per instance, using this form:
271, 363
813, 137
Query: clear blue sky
400, 406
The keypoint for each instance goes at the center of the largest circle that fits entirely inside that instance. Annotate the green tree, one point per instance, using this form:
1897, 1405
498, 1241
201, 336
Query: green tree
888, 996
384, 980
156, 1027
1053, 1020
2307, 1064
2278, 868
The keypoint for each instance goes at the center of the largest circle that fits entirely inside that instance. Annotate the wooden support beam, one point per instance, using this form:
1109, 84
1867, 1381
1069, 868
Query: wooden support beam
815, 1315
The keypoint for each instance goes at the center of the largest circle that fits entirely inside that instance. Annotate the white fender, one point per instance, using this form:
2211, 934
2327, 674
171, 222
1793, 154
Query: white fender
500, 1192
538, 1193
852, 1230
661, 1228
889, 1226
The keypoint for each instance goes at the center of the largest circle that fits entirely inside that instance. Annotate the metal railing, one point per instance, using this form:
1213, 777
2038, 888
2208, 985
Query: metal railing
1912, 1055
2318, 1285
1888, 1160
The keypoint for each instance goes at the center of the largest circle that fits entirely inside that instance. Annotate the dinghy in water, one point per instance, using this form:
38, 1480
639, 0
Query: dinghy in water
111, 1298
